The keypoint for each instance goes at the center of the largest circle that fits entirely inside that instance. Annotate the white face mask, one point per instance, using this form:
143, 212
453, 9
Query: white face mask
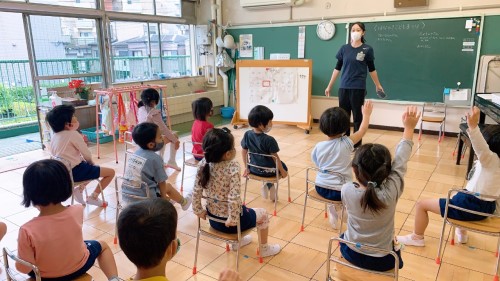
356, 36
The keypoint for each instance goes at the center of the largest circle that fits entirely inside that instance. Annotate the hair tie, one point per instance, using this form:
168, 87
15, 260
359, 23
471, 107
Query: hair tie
374, 184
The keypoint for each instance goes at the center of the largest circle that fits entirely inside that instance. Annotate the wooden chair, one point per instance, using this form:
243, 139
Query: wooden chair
188, 158
311, 193
489, 226
274, 180
332, 258
205, 229
13, 275
81, 183
131, 179
434, 112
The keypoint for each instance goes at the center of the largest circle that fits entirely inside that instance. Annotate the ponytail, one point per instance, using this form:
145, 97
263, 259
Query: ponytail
216, 143
204, 175
370, 199
372, 165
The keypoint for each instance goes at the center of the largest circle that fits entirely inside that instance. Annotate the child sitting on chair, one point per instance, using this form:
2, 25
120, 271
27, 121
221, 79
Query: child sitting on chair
219, 178
202, 110
256, 140
53, 241
148, 112
68, 144
147, 233
334, 154
485, 175
371, 203
147, 166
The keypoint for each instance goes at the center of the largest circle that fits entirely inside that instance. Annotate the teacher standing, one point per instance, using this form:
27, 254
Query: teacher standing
357, 59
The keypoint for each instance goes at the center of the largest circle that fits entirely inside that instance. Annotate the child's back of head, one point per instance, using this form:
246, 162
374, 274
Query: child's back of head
146, 230
492, 137
149, 97
334, 121
260, 115
144, 134
59, 116
46, 182
216, 143
372, 165
202, 108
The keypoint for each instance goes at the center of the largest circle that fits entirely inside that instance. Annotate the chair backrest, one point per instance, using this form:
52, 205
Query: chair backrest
13, 275
337, 175
66, 163
270, 170
215, 200
132, 175
187, 149
454, 191
437, 109
360, 247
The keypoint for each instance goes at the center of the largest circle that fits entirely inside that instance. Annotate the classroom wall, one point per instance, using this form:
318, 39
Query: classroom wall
364, 10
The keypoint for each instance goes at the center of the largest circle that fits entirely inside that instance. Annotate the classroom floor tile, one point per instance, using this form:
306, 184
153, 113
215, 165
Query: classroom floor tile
431, 173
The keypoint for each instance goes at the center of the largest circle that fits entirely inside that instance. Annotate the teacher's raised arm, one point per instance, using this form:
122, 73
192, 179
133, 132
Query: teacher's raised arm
357, 60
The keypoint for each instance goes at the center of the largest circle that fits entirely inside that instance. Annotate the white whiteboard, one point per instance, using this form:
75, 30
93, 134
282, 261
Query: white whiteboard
284, 90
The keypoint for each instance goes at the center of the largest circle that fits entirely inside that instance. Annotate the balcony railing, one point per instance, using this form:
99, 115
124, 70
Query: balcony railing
17, 98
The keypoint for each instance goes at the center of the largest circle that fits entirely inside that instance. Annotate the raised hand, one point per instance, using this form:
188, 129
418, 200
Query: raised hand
473, 117
367, 108
411, 117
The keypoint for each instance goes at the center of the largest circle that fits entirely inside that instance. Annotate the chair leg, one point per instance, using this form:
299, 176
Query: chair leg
289, 197
276, 197
326, 213
438, 258
196, 251
420, 131
118, 206
304, 212
102, 194
452, 233
182, 178
498, 262
259, 248
245, 192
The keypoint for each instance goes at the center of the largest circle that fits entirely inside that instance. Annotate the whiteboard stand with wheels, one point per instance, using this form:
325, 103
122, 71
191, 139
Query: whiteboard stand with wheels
284, 86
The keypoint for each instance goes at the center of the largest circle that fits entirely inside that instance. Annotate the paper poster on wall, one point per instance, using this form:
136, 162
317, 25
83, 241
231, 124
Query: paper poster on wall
274, 85
302, 42
246, 46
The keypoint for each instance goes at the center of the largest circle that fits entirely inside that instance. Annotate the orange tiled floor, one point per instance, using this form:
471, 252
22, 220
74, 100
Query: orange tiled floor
432, 171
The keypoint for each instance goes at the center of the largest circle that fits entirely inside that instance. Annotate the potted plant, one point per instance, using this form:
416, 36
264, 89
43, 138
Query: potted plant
80, 89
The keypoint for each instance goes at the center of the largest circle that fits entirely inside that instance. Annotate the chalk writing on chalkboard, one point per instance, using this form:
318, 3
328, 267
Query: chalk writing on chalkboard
399, 26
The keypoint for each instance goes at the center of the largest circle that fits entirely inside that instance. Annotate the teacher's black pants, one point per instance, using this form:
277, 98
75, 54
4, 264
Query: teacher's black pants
352, 100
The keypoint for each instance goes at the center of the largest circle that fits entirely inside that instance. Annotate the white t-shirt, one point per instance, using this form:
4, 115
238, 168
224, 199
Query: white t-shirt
333, 156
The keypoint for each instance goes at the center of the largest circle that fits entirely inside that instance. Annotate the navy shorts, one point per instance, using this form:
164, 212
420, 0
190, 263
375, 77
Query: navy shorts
85, 171
95, 250
329, 194
261, 173
248, 219
198, 158
384, 263
469, 202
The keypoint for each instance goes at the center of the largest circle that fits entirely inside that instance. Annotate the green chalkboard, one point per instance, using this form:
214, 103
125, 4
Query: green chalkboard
416, 59
285, 40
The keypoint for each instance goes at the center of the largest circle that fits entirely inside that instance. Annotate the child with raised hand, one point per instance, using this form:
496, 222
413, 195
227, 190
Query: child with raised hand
202, 110
53, 241
484, 179
147, 166
371, 202
219, 178
334, 154
148, 112
147, 232
258, 141
68, 144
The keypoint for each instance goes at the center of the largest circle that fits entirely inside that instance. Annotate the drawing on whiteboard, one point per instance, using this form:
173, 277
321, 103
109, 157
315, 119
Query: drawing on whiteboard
274, 85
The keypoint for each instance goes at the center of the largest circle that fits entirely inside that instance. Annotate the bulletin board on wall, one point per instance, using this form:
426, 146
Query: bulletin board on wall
284, 86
